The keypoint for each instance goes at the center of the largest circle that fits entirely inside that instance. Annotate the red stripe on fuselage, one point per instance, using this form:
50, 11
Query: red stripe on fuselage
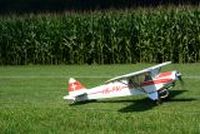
165, 74
110, 89
114, 89
153, 82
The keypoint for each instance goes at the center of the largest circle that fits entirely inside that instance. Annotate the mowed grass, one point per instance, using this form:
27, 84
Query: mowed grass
31, 102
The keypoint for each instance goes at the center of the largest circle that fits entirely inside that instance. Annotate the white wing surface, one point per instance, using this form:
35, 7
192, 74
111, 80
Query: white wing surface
153, 69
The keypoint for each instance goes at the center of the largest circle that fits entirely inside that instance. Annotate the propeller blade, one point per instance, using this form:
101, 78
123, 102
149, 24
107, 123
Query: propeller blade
181, 80
179, 77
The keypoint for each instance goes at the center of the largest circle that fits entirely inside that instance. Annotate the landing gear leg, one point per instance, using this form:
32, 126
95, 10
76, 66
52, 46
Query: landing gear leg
159, 100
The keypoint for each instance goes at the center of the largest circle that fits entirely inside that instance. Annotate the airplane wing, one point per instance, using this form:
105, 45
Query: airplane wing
154, 69
160, 65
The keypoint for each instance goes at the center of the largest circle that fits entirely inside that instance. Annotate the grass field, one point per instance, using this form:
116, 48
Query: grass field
31, 102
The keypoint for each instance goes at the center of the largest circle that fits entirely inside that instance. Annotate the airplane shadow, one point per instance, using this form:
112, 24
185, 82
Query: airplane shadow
147, 104
83, 103
141, 104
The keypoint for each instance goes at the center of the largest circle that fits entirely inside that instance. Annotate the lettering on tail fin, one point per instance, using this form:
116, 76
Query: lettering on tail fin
75, 87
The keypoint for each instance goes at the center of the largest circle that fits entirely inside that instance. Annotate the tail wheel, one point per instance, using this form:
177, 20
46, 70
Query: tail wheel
163, 93
71, 102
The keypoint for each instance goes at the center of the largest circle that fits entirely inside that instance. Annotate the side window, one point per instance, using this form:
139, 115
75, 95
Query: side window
147, 77
136, 81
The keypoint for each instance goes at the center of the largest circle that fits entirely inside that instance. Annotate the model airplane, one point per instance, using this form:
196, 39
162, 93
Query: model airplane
148, 81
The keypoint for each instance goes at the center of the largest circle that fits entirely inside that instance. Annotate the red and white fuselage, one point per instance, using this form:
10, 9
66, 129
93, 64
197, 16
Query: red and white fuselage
153, 87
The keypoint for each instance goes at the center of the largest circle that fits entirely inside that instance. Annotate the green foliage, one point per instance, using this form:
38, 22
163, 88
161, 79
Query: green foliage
131, 36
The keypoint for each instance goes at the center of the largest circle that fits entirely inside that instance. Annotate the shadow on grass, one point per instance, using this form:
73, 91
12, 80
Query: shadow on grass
141, 104
83, 102
147, 104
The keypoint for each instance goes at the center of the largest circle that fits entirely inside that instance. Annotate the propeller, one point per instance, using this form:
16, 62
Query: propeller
179, 77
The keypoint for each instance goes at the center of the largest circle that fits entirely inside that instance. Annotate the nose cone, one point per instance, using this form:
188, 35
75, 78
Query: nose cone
178, 75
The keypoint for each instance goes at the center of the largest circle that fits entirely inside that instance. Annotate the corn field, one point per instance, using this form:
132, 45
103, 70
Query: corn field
36, 6
112, 37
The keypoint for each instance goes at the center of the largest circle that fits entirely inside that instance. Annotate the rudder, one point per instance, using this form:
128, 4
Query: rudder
75, 87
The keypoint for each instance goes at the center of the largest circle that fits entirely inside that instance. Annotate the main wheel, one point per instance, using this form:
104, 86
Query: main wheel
163, 94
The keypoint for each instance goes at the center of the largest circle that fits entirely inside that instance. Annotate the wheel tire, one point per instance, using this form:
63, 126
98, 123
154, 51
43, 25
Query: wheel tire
163, 94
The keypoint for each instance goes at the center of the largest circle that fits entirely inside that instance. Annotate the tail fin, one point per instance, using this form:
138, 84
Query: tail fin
75, 87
